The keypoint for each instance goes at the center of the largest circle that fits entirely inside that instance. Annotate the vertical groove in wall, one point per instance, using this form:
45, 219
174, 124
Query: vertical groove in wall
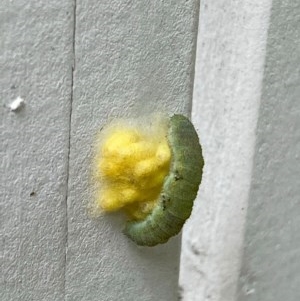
194, 55
69, 141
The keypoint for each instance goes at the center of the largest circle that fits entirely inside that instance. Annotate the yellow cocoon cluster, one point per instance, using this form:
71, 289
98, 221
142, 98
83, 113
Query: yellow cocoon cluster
131, 163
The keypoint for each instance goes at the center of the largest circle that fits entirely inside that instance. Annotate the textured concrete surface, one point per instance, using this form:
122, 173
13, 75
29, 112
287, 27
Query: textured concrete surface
129, 58
271, 259
228, 82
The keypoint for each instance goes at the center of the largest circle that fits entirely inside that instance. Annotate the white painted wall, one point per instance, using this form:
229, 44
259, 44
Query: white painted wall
270, 265
35, 63
78, 64
242, 242
132, 58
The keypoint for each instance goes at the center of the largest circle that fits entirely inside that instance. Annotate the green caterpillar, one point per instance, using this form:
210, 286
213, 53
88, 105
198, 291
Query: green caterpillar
179, 189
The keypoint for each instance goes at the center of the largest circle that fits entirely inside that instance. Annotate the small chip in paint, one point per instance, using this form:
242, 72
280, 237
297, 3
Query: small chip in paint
16, 104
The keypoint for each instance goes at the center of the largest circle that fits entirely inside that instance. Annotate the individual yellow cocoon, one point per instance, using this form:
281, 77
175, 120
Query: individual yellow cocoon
131, 162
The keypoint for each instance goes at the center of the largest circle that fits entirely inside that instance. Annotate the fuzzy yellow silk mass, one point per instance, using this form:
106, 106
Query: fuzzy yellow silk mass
131, 163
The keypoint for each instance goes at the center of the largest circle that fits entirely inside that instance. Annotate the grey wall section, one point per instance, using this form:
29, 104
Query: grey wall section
35, 62
132, 58
227, 92
271, 262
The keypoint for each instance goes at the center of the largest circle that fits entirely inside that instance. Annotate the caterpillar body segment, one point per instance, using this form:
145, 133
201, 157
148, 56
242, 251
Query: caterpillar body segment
179, 189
